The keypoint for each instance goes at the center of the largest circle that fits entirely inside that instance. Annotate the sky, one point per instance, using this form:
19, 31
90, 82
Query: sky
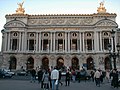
57, 7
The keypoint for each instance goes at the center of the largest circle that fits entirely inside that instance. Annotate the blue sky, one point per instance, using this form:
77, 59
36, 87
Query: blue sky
57, 7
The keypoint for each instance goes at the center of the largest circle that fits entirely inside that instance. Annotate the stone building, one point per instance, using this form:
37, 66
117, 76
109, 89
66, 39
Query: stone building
63, 40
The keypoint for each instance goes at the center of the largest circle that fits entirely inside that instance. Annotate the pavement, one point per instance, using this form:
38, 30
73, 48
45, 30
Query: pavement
24, 84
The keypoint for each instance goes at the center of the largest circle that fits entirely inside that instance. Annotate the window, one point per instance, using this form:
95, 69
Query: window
74, 34
105, 34
60, 34
14, 44
45, 45
31, 44
74, 44
88, 34
15, 34
89, 44
106, 42
31, 34
46, 34
60, 44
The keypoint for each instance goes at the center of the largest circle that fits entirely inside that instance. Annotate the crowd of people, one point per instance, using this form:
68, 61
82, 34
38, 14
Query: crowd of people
52, 78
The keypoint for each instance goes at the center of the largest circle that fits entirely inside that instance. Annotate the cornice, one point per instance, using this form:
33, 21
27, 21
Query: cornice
61, 15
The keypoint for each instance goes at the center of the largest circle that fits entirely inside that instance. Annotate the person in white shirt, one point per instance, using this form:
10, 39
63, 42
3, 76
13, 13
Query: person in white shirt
54, 77
97, 78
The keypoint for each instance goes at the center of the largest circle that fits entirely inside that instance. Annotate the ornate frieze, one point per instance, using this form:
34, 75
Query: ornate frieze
65, 21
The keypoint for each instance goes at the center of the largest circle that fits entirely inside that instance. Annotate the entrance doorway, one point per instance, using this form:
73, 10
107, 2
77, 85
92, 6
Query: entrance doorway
30, 63
45, 63
75, 63
12, 63
107, 63
90, 64
60, 63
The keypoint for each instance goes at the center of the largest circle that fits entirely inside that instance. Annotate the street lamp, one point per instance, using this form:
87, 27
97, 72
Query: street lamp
113, 54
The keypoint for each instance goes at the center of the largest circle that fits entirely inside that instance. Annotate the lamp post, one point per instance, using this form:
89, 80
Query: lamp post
113, 54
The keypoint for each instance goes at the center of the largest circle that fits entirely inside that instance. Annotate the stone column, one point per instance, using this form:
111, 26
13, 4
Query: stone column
80, 41
83, 44
97, 42
25, 41
69, 42
66, 41
23, 36
39, 41
51, 48
54, 43
36, 41
8, 42
19, 41
5, 42
100, 41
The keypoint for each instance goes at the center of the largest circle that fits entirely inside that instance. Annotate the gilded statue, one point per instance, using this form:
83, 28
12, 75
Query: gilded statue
20, 4
20, 9
101, 9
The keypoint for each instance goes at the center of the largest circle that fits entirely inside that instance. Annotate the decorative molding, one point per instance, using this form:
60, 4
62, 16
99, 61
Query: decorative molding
106, 23
66, 21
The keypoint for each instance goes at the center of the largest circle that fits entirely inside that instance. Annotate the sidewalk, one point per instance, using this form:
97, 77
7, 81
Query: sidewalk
26, 85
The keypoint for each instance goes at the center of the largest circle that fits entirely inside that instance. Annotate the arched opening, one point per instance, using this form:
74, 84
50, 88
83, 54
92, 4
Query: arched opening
60, 63
107, 63
90, 64
75, 63
45, 63
30, 63
12, 63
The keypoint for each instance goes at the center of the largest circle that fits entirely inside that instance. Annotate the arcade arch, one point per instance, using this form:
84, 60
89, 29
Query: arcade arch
107, 63
12, 63
90, 63
45, 63
60, 63
30, 63
75, 63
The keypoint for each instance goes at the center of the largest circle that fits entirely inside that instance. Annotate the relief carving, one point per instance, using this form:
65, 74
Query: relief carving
33, 21
46, 21
106, 23
60, 21
14, 24
73, 21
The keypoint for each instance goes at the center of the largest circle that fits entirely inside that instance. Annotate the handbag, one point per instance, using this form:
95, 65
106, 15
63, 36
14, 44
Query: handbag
56, 82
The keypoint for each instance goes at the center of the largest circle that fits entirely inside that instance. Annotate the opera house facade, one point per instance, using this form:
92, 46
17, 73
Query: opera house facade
63, 40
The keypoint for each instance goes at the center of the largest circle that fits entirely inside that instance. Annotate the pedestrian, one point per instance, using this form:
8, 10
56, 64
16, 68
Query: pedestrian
101, 76
78, 76
59, 80
45, 80
68, 77
92, 75
33, 75
114, 81
97, 78
108, 76
40, 75
54, 78
73, 75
